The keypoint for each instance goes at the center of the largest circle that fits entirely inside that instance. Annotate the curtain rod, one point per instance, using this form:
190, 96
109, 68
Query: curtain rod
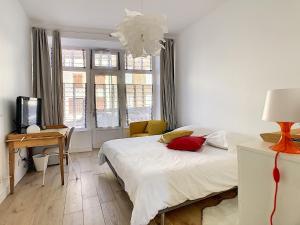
86, 34
79, 32
82, 34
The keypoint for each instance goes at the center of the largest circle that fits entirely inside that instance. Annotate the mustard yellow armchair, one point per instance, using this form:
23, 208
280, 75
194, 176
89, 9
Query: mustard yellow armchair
147, 128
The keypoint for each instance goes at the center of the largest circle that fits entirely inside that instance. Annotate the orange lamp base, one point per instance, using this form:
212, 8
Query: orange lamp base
285, 143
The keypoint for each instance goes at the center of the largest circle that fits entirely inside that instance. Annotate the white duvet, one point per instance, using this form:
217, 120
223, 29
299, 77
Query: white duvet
156, 178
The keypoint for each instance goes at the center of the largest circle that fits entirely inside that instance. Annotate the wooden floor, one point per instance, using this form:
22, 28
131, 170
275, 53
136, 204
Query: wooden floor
95, 199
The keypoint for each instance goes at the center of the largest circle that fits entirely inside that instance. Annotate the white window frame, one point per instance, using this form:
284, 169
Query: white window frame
85, 69
86, 57
94, 73
132, 71
116, 68
137, 69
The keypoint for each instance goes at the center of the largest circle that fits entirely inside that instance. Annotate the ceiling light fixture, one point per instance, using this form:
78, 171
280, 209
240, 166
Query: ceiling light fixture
140, 34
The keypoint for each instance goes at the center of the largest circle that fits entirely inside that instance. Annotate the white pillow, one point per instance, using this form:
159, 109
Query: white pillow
235, 139
217, 139
197, 130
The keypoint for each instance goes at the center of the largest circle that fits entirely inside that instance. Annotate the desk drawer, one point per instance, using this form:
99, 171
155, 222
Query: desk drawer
34, 143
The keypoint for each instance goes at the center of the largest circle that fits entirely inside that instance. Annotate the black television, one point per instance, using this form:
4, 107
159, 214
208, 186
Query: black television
29, 112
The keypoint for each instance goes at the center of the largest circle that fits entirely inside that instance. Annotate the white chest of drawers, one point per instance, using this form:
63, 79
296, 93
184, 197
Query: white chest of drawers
256, 186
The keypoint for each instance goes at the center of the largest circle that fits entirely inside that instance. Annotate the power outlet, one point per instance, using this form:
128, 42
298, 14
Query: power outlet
22, 163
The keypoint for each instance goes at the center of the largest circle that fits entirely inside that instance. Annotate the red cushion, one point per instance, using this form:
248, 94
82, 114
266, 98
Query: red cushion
187, 143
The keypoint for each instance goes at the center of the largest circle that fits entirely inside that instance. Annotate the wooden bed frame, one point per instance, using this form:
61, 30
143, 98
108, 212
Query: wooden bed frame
186, 203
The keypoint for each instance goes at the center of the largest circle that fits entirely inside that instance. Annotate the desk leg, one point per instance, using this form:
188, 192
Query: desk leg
11, 168
30, 159
162, 219
61, 159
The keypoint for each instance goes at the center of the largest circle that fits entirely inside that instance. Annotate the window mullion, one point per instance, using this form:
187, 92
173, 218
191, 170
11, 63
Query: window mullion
143, 94
74, 104
134, 96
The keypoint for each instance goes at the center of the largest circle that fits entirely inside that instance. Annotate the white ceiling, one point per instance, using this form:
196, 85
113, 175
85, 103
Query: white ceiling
88, 43
106, 14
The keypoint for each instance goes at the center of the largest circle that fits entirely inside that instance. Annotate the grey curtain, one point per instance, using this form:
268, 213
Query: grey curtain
42, 73
167, 84
57, 79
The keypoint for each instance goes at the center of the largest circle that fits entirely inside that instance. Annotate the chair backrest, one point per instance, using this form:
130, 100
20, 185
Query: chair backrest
69, 135
156, 127
137, 127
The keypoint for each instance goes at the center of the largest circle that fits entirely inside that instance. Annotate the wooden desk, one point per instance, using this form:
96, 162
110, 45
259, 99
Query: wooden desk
44, 138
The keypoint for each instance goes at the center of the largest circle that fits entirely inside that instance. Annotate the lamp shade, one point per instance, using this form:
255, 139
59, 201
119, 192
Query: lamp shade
282, 105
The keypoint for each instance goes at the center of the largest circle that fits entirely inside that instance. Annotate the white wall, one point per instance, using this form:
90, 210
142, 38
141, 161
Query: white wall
229, 59
15, 73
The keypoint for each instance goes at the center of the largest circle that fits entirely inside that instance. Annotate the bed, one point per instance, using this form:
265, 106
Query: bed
158, 179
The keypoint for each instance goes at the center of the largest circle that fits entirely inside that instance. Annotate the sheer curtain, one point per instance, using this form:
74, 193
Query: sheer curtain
167, 84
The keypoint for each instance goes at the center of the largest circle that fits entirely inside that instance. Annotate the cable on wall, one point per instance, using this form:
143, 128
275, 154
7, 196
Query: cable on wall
276, 176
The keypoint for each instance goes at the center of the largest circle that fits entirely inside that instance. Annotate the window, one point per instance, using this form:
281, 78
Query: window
138, 96
106, 101
75, 88
115, 86
138, 81
74, 99
105, 59
73, 58
141, 63
139, 93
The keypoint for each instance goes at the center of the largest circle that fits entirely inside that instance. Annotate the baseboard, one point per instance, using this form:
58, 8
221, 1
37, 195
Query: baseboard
81, 150
4, 194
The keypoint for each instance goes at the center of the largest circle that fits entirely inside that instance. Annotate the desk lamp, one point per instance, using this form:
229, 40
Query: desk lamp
283, 106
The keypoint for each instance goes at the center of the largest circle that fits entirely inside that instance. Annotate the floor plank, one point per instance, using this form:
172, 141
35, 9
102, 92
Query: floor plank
50, 213
112, 214
93, 216
88, 185
112, 180
74, 197
92, 202
85, 164
124, 204
104, 189
73, 218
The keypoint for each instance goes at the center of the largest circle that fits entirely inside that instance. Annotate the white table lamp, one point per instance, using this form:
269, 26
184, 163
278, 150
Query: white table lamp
283, 106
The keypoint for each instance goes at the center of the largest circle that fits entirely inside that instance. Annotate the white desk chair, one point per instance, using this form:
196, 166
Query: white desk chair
55, 151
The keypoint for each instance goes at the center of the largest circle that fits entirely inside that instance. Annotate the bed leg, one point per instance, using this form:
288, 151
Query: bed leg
162, 219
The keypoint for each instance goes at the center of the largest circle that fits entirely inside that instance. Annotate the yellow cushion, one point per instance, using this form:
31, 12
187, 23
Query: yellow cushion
140, 135
168, 137
156, 127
